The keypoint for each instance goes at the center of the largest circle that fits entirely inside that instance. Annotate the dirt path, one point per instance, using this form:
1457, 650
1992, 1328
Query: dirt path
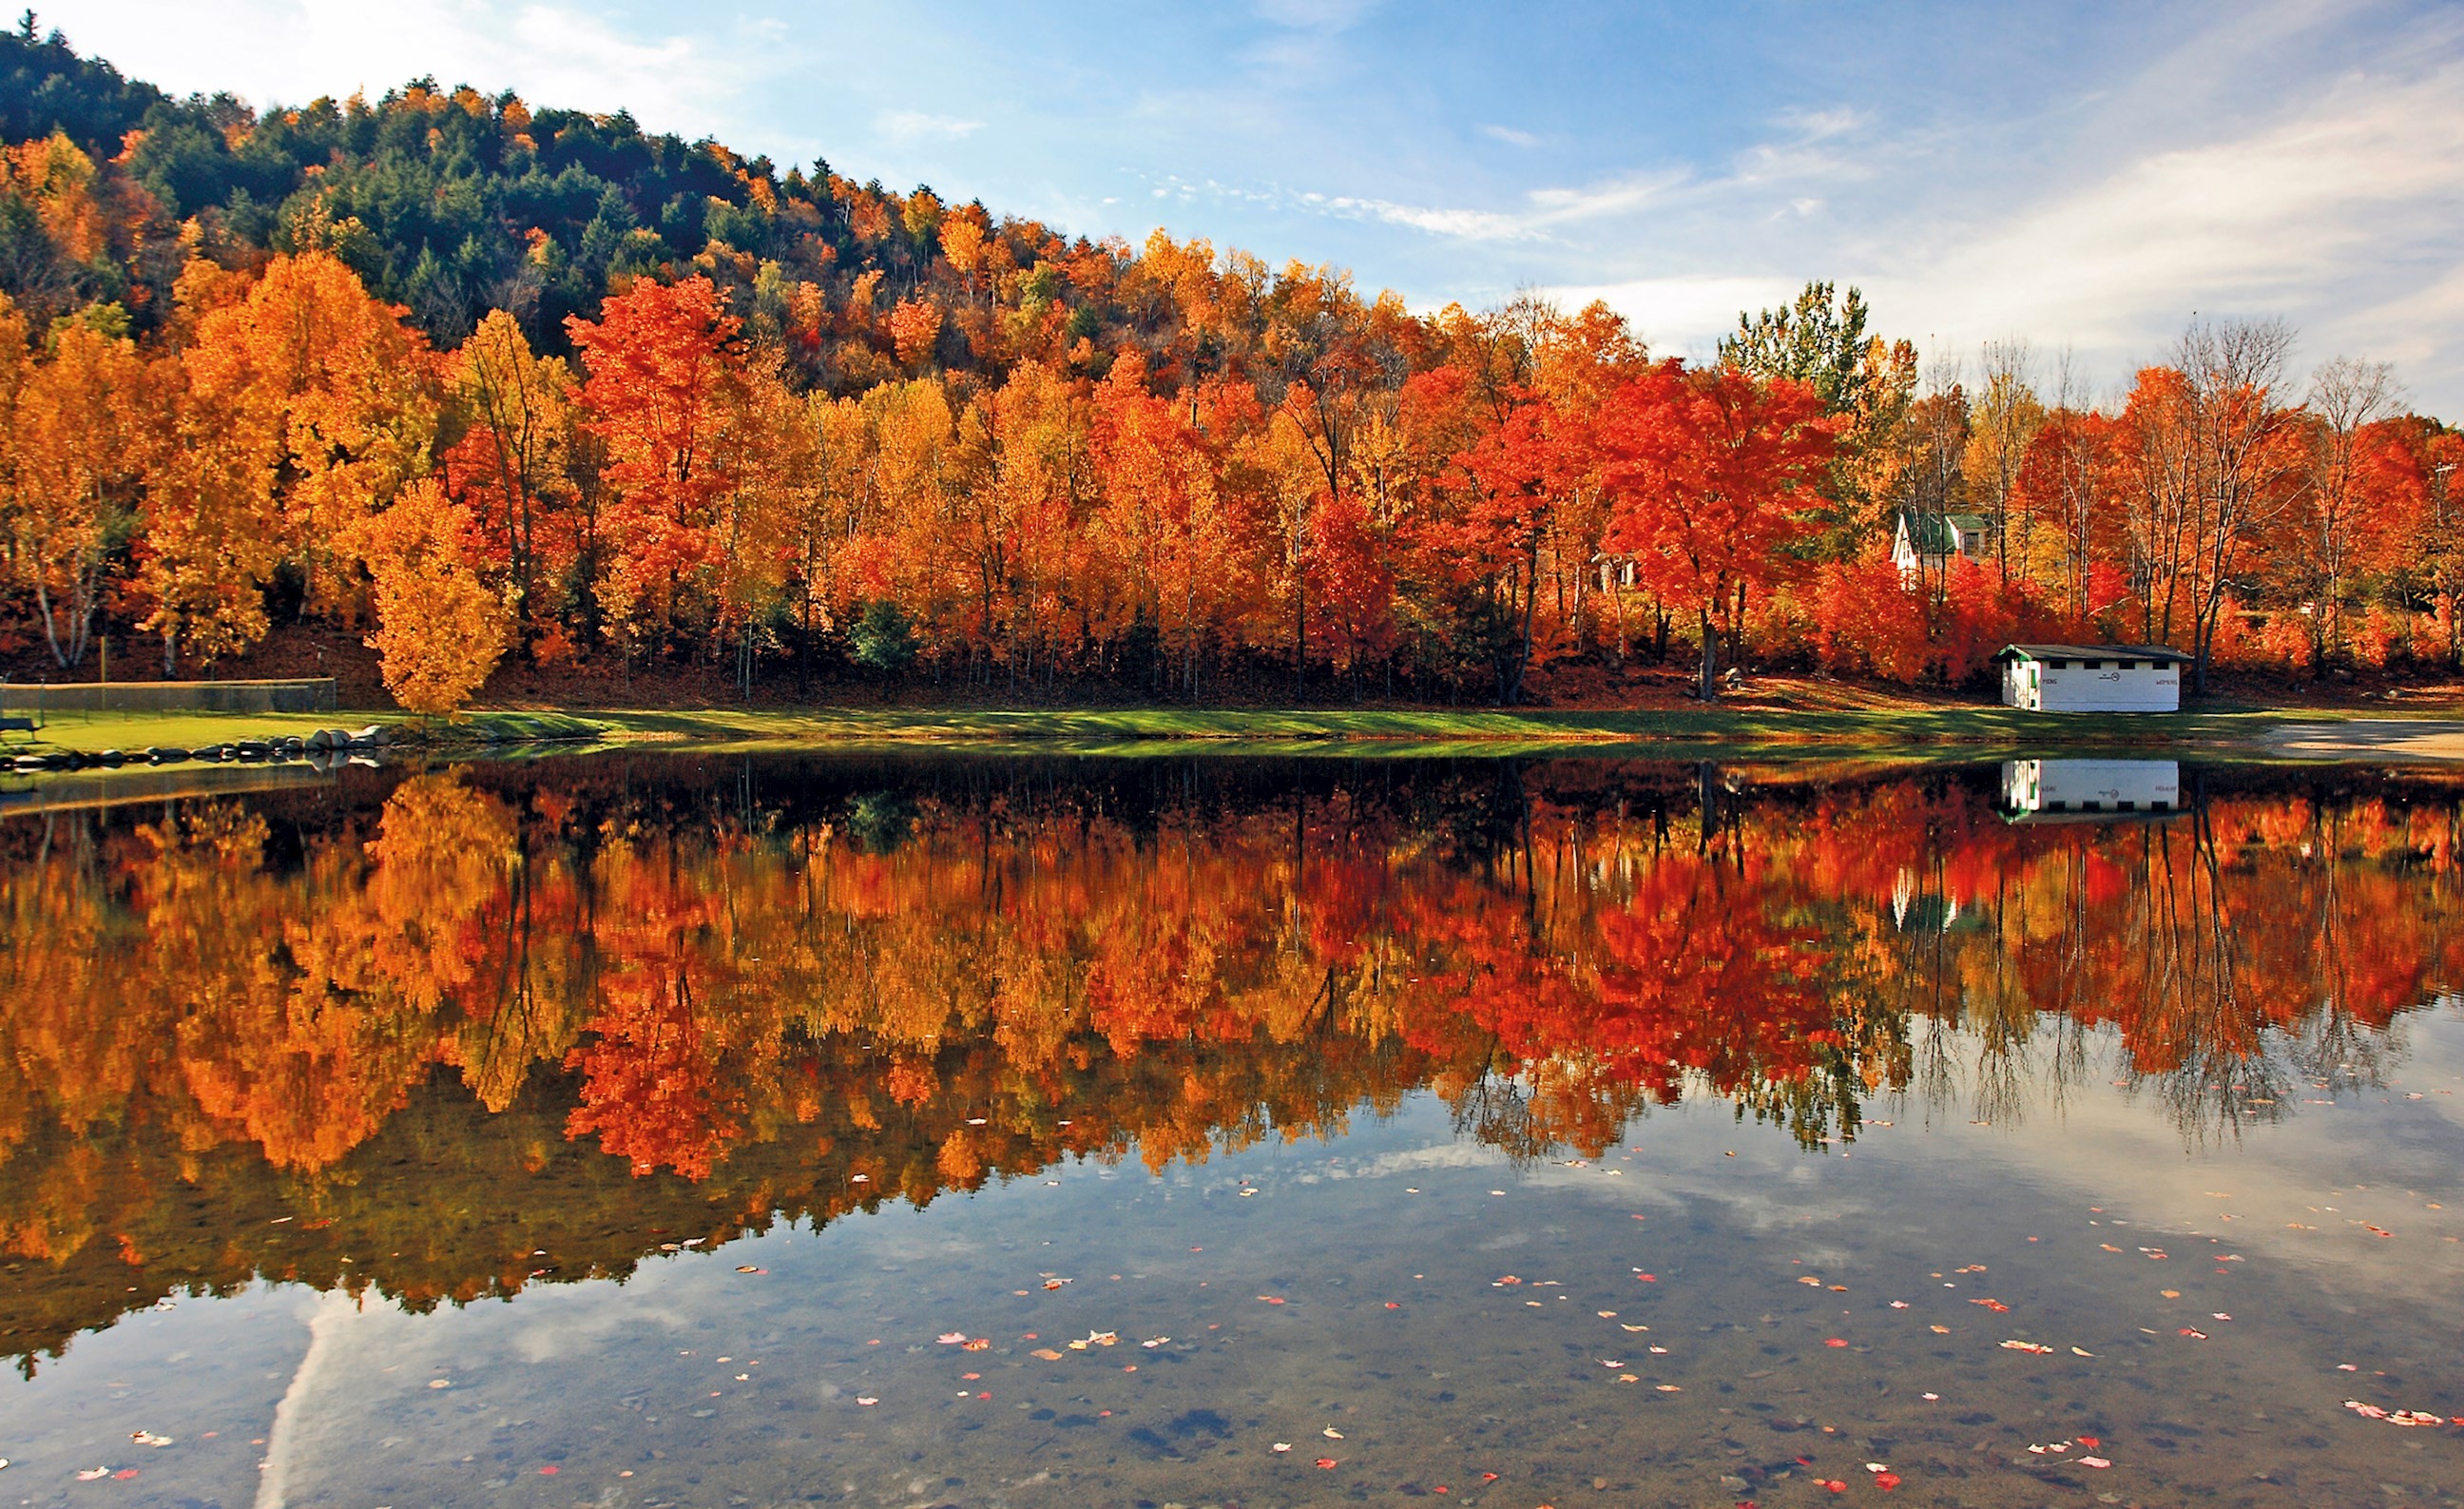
2421, 739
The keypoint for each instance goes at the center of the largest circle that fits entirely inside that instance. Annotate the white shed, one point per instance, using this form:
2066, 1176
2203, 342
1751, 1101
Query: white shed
2092, 678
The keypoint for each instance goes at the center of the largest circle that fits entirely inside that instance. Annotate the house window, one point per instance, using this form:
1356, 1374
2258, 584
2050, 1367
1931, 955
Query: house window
2057, 665
2126, 665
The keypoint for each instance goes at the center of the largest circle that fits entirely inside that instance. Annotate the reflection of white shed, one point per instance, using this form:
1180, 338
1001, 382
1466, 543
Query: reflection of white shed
2092, 678
2093, 788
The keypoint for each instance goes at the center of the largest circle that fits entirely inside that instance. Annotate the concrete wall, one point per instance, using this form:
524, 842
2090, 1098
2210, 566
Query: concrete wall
314, 695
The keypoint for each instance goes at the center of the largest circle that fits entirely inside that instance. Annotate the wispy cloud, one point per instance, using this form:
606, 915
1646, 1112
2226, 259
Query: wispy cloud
907, 127
1509, 136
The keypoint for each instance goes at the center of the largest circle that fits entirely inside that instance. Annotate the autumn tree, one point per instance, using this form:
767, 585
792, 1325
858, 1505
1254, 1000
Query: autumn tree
439, 630
341, 392
515, 411
2343, 508
667, 378
77, 449
1711, 472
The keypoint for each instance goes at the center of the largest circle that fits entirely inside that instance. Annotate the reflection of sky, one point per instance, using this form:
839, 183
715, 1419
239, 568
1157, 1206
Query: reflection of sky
2086, 174
749, 1383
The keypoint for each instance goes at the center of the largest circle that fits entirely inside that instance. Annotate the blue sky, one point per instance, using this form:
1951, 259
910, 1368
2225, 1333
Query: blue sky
2081, 175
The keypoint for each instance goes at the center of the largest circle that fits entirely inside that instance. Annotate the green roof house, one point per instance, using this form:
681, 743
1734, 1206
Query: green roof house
1927, 541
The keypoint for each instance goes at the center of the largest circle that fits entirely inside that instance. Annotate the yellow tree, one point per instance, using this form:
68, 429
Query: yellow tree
309, 356
205, 545
79, 440
439, 629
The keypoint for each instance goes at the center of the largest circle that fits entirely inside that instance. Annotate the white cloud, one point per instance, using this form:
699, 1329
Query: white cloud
1509, 136
1471, 224
905, 127
1685, 314
2341, 214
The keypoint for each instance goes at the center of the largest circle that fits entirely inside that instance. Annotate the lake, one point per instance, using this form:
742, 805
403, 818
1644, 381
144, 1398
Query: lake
985, 1130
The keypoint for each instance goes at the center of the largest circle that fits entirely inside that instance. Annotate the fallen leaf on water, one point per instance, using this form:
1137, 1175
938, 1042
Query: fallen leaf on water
1940, 1330
2093, 1461
2091, 1442
1898, 1304
950, 1337
1155, 1342
1994, 1305
2024, 1347
978, 1343
92, 1473
1816, 1282
1282, 1446
1623, 1327
1046, 1353
1670, 1388
2194, 1333
2079, 1351
2170, 1293
1886, 1481
1332, 1434
866, 1399
1835, 1341
440, 1382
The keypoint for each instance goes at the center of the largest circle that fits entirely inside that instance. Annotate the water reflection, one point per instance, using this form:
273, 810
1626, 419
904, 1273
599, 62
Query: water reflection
443, 1035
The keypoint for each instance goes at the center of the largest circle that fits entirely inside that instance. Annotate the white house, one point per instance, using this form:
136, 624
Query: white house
2092, 678
1924, 541
2044, 791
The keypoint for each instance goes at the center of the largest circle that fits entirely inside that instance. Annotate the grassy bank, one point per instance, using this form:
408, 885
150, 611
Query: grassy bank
1943, 728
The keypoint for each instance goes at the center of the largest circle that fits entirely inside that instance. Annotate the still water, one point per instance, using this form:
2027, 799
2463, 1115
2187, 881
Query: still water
977, 1131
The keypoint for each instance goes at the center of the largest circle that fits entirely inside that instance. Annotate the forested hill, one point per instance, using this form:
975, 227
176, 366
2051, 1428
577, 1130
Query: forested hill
452, 203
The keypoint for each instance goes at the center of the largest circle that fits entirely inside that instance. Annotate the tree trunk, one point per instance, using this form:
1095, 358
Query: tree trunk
1708, 686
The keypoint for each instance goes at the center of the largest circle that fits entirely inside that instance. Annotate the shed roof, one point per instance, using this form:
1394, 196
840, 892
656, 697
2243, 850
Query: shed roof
2093, 652
1938, 534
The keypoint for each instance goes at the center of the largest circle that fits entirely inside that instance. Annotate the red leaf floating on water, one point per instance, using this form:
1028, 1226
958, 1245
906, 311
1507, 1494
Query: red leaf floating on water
1327, 1462
1886, 1481
2091, 1442
1836, 1341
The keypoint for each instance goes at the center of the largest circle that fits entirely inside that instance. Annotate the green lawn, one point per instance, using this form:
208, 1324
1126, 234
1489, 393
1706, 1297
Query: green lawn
134, 731
1879, 729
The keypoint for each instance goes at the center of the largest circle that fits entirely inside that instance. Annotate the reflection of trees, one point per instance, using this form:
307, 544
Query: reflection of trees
490, 1005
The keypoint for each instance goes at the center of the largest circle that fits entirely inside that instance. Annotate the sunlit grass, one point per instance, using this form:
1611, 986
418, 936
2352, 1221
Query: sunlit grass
1869, 727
